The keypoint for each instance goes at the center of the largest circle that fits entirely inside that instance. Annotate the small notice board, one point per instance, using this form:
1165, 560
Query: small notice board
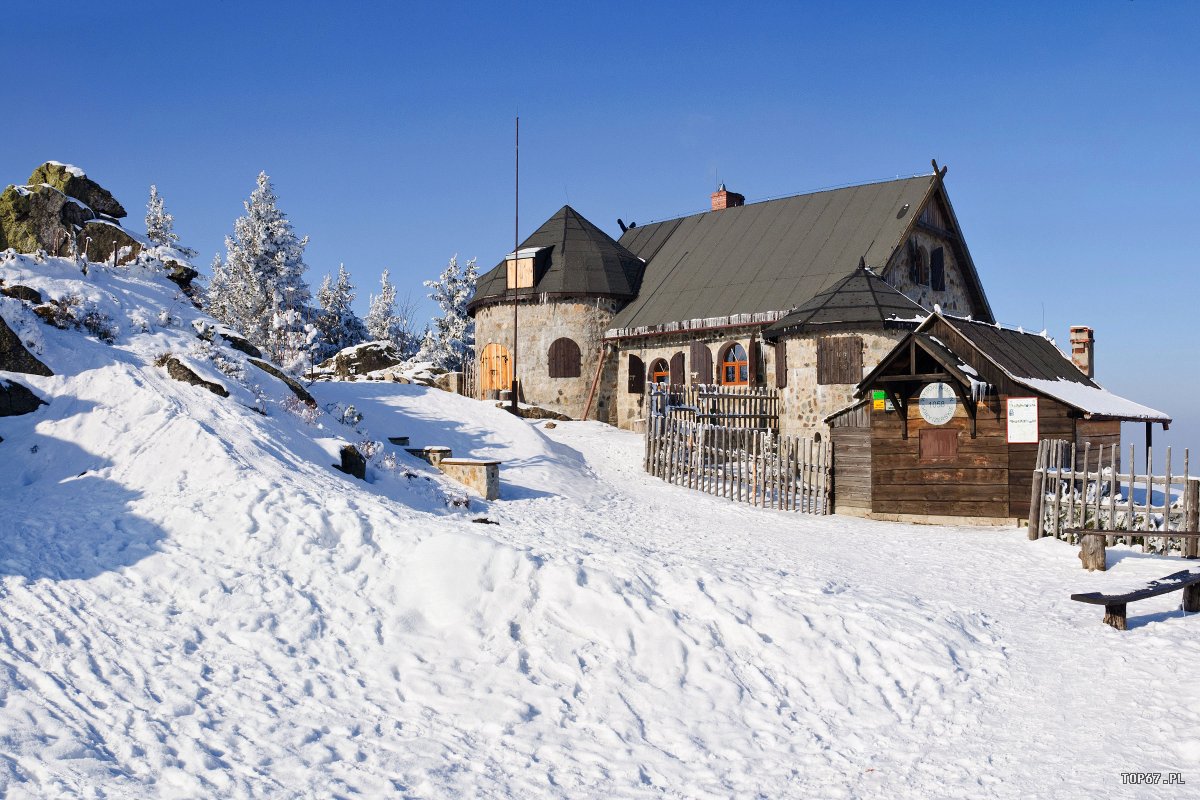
1022, 420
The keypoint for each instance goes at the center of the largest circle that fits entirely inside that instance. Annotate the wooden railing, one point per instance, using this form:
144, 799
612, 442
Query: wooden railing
747, 466
751, 407
1088, 491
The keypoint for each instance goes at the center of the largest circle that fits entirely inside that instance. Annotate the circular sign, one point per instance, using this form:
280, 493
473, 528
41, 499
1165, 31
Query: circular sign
938, 403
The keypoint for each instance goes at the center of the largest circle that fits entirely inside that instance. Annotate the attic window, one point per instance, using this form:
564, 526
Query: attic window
520, 267
937, 270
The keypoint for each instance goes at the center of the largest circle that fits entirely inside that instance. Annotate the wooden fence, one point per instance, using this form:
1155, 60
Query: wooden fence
728, 406
1092, 493
469, 385
744, 465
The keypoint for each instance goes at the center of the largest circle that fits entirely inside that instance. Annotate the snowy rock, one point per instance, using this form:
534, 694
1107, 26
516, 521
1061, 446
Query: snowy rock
182, 276
108, 238
38, 218
20, 292
240, 344
296, 388
363, 358
16, 399
353, 462
73, 182
14, 357
181, 372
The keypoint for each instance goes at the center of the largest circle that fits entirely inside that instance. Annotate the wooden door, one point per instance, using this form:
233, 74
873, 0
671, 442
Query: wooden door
495, 368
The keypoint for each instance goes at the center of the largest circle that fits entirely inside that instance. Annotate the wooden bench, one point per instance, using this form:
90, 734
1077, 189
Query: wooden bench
1092, 544
1114, 604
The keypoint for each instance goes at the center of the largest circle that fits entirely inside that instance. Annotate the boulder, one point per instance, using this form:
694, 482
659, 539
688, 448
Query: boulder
16, 399
74, 182
182, 276
240, 344
14, 357
363, 358
107, 237
291, 382
353, 462
39, 218
19, 292
181, 372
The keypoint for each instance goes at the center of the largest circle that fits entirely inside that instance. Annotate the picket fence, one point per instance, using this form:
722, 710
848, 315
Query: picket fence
750, 466
1093, 493
727, 406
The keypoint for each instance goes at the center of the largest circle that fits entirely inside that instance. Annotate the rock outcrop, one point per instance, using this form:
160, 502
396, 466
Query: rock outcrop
19, 292
353, 462
16, 399
363, 358
14, 357
292, 384
181, 372
74, 182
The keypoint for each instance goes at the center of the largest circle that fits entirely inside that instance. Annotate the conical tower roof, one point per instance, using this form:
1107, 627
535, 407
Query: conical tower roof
860, 300
574, 259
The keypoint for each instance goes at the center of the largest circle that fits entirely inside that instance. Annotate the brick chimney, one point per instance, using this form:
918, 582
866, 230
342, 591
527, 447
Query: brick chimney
722, 199
1083, 348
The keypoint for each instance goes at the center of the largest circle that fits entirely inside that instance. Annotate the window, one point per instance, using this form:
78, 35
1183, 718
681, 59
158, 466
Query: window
659, 371
677, 370
564, 359
918, 264
637, 375
735, 365
937, 270
938, 444
839, 360
702, 363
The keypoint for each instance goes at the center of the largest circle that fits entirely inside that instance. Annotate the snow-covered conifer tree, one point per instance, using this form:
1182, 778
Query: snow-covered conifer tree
390, 321
337, 324
452, 335
267, 298
160, 225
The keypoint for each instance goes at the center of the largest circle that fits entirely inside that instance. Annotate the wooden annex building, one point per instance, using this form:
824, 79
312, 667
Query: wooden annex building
948, 423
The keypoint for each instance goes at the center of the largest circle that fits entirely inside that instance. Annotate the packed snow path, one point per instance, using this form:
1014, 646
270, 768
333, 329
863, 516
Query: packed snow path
193, 604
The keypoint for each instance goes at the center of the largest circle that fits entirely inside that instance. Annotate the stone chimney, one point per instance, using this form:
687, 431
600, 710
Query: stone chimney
723, 198
1083, 347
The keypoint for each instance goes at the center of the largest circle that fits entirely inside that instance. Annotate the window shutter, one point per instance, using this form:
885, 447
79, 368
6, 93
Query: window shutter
780, 364
937, 270
564, 359
637, 375
752, 362
702, 363
678, 376
839, 360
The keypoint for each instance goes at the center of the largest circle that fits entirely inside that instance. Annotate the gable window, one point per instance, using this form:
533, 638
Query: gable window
659, 371
637, 375
918, 264
937, 270
735, 365
839, 360
564, 359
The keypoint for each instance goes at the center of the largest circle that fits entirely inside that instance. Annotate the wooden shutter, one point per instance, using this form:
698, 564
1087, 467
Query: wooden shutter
780, 364
637, 375
678, 376
914, 262
939, 444
702, 363
839, 360
752, 362
937, 270
564, 359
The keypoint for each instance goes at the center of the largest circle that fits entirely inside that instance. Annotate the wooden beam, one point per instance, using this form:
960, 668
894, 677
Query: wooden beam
969, 404
925, 377
902, 410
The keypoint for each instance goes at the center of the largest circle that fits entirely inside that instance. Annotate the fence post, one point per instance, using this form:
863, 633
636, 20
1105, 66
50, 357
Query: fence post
1191, 504
1035, 499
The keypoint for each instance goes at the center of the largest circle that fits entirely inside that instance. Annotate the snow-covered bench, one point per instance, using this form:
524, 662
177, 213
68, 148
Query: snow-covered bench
481, 476
1114, 604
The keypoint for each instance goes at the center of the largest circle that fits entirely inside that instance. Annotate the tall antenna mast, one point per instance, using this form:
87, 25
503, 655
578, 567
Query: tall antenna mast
515, 389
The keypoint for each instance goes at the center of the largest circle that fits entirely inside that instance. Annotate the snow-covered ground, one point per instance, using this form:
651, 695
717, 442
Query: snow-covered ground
194, 604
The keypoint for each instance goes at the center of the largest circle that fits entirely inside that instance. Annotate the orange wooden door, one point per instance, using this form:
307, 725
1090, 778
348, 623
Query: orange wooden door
495, 368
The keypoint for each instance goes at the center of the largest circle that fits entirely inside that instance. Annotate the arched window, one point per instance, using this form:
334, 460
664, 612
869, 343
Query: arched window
564, 359
677, 372
659, 371
735, 365
637, 375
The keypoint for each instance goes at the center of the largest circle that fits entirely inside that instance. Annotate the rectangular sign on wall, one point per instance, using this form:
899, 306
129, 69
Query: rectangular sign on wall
1022, 420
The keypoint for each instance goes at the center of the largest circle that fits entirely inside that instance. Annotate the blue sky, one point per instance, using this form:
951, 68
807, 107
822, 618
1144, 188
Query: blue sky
1070, 130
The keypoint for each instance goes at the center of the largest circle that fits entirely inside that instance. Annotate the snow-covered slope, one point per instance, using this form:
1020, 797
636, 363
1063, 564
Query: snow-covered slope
194, 604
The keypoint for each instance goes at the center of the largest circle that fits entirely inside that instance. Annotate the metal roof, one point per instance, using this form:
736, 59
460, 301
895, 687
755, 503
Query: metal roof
583, 261
769, 256
861, 299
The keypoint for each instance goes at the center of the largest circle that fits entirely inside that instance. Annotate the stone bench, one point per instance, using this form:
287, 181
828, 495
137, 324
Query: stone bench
433, 455
481, 476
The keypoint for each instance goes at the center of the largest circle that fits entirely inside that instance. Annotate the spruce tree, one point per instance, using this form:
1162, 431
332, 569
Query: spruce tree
337, 324
160, 225
452, 335
266, 297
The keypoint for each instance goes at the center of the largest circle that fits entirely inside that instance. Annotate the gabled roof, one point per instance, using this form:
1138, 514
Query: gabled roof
860, 300
582, 261
1029, 360
769, 256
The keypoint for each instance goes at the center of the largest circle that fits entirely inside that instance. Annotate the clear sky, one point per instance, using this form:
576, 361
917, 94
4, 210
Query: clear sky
1072, 132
